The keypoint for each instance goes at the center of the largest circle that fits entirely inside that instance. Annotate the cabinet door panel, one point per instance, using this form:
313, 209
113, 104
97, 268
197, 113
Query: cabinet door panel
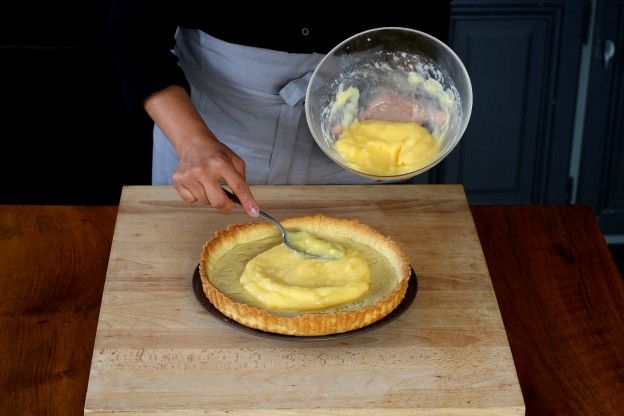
523, 59
499, 156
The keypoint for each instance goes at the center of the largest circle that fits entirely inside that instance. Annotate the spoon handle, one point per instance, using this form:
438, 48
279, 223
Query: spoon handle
279, 226
232, 196
263, 214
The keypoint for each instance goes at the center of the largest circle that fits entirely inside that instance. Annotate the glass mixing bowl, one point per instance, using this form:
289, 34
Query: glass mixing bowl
393, 74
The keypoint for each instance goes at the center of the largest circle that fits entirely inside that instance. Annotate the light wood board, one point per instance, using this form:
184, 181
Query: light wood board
158, 350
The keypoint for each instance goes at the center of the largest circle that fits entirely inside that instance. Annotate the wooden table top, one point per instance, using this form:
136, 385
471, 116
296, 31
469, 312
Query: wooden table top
558, 289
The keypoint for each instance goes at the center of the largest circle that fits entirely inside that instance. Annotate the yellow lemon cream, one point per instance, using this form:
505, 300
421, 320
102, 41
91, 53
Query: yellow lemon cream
281, 279
311, 244
386, 148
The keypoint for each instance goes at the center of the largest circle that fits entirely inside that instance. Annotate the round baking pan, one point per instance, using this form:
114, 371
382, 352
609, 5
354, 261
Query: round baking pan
410, 294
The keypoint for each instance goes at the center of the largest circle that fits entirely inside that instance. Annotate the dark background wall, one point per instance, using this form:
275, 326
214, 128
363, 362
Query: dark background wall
68, 139
66, 136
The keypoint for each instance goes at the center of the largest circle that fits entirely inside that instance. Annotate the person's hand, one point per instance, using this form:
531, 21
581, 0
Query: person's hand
392, 107
204, 164
388, 106
204, 160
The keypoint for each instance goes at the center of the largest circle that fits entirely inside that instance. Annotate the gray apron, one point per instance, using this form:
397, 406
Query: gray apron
252, 99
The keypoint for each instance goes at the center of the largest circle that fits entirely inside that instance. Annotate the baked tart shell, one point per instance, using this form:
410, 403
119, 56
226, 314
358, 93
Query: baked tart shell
306, 323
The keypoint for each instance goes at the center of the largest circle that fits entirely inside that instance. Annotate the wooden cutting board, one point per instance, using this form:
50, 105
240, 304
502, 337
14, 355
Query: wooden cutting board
158, 350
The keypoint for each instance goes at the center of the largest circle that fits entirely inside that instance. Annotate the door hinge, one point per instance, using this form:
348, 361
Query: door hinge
587, 19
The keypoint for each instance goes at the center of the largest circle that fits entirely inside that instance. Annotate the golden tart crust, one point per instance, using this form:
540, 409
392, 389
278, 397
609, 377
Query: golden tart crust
307, 323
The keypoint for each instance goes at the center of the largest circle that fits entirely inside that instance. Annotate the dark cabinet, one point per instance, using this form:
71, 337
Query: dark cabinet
601, 178
523, 59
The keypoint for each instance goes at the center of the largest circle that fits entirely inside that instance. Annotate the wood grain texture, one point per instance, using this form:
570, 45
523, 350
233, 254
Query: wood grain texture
47, 332
52, 267
562, 300
158, 350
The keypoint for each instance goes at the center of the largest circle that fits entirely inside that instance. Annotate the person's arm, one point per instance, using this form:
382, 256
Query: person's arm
141, 36
204, 160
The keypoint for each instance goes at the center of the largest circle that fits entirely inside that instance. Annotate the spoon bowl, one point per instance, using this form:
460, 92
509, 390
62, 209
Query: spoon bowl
286, 235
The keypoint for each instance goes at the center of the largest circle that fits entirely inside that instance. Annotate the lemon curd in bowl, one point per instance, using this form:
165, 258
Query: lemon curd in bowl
250, 276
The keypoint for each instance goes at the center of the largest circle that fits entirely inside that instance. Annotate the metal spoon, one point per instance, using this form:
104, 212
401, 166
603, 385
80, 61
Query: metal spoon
283, 231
